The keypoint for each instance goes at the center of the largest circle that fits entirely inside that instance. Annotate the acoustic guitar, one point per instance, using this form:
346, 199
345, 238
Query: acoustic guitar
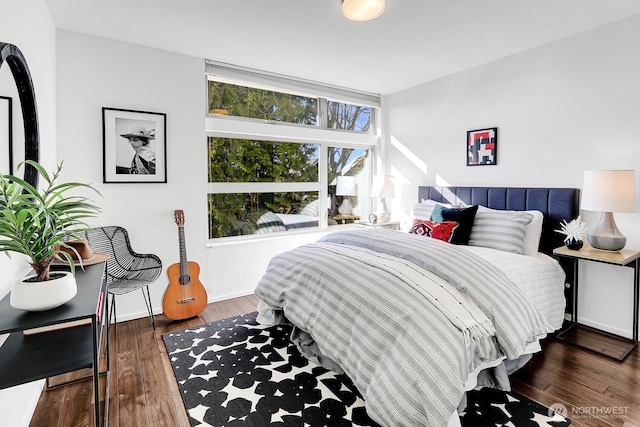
185, 296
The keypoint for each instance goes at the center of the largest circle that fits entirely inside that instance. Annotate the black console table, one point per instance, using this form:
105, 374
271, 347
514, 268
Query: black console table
27, 358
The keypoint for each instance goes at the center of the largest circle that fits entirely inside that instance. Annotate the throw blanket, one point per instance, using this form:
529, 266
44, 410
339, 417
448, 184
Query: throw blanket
456, 305
405, 356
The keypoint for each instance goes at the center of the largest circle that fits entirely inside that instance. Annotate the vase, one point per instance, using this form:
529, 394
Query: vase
574, 244
30, 295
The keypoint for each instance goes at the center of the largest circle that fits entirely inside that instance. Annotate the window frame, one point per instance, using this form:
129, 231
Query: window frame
322, 114
268, 80
222, 126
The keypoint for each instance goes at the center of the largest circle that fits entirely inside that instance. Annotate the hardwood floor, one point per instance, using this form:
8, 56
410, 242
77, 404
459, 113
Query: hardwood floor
143, 390
597, 391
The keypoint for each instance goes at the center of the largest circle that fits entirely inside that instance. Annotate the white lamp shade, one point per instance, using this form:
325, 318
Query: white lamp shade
362, 10
346, 186
383, 187
609, 191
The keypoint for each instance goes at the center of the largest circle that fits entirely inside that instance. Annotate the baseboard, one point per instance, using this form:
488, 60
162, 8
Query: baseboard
135, 316
217, 298
603, 327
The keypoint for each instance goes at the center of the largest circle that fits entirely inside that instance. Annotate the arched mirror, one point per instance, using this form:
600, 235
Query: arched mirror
12, 56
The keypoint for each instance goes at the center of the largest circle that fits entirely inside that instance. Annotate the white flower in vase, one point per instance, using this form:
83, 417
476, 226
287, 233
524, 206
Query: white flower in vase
575, 230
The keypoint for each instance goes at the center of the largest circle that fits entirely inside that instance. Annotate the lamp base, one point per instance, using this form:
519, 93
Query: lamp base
605, 235
383, 212
383, 216
346, 208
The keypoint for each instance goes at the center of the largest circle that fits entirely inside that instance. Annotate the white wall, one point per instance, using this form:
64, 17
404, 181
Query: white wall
560, 109
27, 24
237, 266
97, 72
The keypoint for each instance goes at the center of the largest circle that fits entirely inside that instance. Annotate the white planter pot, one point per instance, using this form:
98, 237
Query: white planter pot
41, 296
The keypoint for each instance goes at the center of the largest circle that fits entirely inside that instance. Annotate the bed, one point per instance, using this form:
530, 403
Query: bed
275, 222
415, 321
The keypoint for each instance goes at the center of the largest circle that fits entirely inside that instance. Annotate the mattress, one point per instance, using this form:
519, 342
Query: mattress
541, 278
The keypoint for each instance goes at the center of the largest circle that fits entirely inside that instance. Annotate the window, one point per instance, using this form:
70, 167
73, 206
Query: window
283, 157
349, 174
253, 161
245, 160
238, 214
243, 101
268, 105
356, 118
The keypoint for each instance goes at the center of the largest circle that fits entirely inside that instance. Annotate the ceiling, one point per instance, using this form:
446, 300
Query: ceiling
414, 41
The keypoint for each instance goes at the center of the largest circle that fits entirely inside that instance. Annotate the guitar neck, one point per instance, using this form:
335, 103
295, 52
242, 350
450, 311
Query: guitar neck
184, 269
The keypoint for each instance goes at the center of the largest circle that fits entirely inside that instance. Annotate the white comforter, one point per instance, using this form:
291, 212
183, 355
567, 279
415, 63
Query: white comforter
407, 359
541, 279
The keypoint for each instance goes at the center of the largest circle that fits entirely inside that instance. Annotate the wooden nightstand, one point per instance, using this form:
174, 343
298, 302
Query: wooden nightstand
345, 219
391, 225
610, 345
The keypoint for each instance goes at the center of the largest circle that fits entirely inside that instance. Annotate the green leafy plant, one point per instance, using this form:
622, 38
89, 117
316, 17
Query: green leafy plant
37, 223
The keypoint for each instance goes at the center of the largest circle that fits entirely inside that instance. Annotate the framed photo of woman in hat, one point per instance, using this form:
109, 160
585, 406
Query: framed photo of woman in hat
134, 146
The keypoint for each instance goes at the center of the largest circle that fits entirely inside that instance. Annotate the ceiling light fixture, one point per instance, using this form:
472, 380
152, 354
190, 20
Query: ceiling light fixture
362, 10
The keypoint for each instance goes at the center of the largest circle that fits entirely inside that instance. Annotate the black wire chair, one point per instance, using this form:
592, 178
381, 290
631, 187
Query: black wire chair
127, 270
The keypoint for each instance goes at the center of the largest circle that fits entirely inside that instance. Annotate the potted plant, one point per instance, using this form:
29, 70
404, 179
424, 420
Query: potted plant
38, 223
575, 231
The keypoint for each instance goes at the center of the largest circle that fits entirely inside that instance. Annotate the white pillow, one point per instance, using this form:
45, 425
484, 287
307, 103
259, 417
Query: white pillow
269, 223
532, 234
311, 209
501, 230
423, 211
533, 231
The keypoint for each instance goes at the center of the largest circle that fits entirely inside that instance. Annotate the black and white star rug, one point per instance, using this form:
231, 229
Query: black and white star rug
236, 373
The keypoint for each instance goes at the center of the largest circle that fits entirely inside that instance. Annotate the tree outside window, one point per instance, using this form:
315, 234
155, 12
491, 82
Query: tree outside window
234, 160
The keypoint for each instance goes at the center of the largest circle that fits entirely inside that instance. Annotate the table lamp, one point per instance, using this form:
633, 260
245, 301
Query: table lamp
608, 191
383, 188
346, 186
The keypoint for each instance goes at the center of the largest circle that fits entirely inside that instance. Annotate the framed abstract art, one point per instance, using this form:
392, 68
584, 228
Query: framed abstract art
482, 145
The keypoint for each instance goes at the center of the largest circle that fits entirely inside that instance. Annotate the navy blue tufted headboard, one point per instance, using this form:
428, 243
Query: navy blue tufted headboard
555, 203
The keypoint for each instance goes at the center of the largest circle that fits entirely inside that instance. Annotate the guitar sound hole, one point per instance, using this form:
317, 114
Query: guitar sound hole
185, 279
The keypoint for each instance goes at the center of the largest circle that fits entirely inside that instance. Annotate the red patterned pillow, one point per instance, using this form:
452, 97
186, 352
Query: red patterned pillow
438, 230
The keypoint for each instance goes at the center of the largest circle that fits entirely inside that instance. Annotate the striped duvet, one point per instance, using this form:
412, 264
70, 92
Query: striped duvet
406, 358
